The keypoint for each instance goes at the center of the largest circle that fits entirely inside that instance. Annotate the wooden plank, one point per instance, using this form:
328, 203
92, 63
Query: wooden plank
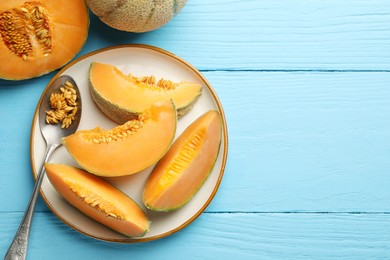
297, 142
305, 141
18, 101
269, 35
226, 236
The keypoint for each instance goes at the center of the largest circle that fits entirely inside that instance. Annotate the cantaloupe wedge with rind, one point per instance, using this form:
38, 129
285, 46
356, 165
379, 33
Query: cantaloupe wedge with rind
185, 167
127, 148
98, 200
123, 97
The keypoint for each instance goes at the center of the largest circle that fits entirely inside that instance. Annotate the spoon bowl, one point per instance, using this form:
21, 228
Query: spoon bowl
52, 134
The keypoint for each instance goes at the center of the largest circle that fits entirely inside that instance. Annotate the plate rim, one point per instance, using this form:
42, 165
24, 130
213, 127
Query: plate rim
159, 50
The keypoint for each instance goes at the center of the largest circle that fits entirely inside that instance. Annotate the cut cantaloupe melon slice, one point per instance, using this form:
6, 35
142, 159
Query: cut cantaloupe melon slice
186, 166
123, 97
98, 199
128, 148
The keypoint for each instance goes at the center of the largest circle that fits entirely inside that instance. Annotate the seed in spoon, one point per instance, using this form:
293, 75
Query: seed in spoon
63, 106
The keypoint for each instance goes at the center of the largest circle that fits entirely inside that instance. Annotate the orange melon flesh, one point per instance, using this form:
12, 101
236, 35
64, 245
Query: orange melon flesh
185, 167
98, 199
66, 28
130, 153
122, 96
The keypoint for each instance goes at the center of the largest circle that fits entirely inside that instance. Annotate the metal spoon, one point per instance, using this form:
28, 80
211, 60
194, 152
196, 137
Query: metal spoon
52, 133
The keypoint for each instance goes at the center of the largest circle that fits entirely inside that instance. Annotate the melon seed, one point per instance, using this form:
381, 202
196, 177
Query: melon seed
64, 107
24, 27
99, 136
183, 158
95, 201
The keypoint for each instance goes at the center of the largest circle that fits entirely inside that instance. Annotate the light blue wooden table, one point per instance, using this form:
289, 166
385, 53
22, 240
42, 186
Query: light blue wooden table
305, 87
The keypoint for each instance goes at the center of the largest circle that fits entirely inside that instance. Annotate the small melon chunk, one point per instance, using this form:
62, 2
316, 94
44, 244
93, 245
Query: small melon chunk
123, 97
98, 199
128, 148
185, 167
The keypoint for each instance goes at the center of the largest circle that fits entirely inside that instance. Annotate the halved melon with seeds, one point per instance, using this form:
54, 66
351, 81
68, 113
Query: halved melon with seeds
123, 97
39, 36
98, 199
185, 167
127, 148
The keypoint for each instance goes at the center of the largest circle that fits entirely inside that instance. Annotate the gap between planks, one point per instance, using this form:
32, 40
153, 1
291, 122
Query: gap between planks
296, 70
263, 212
302, 213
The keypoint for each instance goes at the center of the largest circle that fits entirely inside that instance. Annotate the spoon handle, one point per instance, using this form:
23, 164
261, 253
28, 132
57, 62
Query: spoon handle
18, 247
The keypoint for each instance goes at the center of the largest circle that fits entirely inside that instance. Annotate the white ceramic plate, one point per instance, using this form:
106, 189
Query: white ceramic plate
140, 60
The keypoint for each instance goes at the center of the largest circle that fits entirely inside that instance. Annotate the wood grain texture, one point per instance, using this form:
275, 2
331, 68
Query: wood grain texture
226, 236
305, 141
270, 35
18, 101
305, 89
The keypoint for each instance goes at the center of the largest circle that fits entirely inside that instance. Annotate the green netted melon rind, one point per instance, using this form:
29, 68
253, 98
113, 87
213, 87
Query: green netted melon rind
135, 15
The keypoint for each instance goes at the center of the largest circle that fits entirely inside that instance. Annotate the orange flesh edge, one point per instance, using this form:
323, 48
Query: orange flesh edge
166, 190
120, 89
133, 222
69, 30
131, 154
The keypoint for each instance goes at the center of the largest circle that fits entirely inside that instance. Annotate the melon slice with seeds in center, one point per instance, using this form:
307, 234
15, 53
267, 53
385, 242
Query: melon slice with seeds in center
127, 148
123, 97
98, 199
185, 167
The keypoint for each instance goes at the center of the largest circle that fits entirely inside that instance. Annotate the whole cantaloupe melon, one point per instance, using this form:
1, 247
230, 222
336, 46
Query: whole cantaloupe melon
135, 15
